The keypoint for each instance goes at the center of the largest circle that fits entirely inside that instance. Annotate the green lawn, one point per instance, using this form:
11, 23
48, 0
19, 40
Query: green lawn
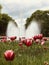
33, 55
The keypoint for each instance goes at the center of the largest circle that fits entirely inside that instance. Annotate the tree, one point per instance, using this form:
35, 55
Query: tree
0, 8
43, 18
4, 19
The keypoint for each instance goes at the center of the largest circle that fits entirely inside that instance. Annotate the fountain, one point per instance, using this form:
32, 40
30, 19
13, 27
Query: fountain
33, 29
12, 30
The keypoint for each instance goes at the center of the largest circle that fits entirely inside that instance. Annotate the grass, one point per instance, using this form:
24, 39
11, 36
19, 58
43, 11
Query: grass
33, 55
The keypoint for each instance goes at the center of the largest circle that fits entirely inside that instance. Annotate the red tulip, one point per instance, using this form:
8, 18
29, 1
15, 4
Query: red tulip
24, 41
35, 37
28, 42
40, 36
9, 55
13, 38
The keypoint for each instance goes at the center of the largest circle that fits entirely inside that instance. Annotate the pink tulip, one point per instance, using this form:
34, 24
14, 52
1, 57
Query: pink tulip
43, 42
3, 37
37, 41
32, 39
4, 40
20, 44
9, 55
44, 38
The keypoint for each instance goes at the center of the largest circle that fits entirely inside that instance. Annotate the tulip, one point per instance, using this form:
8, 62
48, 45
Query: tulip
43, 42
45, 48
24, 41
35, 37
28, 42
32, 39
3, 37
9, 55
44, 38
37, 41
4, 40
46, 63
20, 44
40, 36
13, 38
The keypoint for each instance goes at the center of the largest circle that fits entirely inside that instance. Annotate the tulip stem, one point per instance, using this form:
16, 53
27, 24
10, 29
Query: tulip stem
10, 63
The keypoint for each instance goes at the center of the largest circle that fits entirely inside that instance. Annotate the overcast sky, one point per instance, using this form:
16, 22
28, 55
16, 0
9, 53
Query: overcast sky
23, 8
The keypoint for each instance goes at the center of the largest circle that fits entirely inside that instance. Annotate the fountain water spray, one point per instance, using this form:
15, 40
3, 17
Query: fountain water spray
33, 29
12, 30
20, 31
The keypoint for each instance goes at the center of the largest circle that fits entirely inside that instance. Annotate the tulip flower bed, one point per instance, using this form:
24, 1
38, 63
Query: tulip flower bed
33, 51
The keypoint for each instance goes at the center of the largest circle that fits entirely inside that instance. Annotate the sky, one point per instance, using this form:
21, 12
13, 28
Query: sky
23, 8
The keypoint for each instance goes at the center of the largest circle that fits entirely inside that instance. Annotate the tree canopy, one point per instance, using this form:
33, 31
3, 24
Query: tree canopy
43, 18
0, 8
4, 19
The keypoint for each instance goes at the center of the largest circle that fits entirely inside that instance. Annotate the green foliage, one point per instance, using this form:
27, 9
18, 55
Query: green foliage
0, 8
33, 55
4, 19
43, 18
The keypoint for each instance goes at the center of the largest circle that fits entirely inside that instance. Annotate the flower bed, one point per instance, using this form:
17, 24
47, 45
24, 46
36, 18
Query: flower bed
32, 51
